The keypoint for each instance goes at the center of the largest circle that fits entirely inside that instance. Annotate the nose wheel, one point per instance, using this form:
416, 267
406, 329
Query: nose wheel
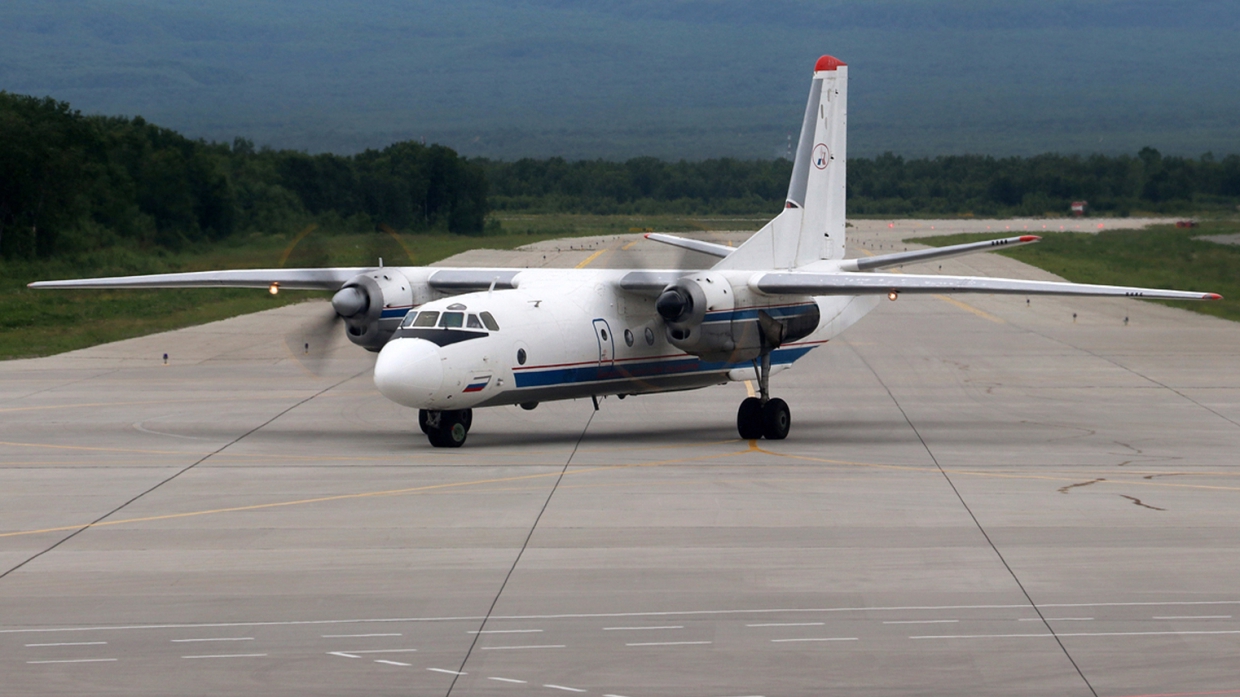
447, 428
763, 417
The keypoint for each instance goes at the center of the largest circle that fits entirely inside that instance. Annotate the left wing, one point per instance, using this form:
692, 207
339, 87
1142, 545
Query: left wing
847, 283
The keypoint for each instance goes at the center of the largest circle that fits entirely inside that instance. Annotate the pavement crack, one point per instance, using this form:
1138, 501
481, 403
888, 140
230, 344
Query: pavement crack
1137, 502
1064, 489
176, 474
521, 552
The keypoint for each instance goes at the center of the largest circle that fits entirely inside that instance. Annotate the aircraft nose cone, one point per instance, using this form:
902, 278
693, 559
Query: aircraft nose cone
409, 371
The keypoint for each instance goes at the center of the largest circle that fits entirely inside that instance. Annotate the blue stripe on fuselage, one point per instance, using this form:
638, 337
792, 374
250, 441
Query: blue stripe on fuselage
677, 366
752, 312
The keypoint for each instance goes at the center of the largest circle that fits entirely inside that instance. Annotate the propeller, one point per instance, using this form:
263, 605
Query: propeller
313, 341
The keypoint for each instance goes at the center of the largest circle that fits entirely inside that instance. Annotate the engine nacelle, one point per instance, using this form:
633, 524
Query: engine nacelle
373, 304
697, 314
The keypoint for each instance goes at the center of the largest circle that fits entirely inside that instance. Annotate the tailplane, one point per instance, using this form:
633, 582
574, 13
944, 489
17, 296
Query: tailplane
811, 226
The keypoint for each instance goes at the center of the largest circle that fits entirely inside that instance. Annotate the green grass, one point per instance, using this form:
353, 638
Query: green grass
45, 322
1161, 256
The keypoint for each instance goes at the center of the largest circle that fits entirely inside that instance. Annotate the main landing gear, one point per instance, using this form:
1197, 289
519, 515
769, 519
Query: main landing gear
446, 429
763, 417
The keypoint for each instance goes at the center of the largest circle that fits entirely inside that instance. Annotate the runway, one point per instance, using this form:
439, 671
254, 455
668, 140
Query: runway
979, 496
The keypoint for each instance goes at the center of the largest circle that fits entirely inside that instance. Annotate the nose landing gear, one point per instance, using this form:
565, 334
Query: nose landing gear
446, 429
763, 417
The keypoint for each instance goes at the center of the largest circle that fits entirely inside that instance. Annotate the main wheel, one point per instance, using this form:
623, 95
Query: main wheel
776, 419
451, 432
749, 419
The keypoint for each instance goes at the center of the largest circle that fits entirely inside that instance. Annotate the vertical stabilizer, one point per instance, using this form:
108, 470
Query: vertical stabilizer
811, 226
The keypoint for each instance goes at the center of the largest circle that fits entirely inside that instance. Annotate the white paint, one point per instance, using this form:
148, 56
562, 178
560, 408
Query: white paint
385, 651
77, 660
566, 689
788, 624
617, 629
1056, 619
354, 636
342, 654
229, 655
505, 631
1196, 617
1077, 634
669, 643
445, 670
392, 663
921, 621
237, 638
504, 648
70, 643
519, 682
828, 638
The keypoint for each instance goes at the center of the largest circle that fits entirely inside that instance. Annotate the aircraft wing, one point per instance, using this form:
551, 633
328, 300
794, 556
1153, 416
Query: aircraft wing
715, 250
293, 279
848, 283
886, 260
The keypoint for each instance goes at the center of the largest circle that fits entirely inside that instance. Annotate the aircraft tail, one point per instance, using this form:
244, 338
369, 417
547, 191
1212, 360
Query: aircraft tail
811, 226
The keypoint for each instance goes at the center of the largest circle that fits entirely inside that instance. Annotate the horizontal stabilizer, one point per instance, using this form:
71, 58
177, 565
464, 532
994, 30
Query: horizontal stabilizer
884, 261
292, 279
883, 283
715, 250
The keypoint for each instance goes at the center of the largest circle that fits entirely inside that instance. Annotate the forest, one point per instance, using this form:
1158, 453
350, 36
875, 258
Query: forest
71, 183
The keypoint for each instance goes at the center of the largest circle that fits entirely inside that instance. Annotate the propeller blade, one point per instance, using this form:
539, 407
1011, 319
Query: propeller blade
312, 342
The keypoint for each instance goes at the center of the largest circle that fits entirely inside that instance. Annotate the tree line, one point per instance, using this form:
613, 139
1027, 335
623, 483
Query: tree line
70, 182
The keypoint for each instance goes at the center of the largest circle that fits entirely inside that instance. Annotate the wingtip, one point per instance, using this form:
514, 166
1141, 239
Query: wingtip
1029, 238
647, 235
1211, 296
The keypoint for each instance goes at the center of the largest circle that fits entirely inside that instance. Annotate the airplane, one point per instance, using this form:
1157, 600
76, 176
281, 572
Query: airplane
454, 339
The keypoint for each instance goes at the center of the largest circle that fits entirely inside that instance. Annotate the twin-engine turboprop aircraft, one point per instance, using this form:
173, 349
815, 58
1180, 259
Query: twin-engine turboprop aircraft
452, 339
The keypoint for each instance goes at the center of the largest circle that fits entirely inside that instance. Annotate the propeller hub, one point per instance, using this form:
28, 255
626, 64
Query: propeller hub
350, 301
674, 304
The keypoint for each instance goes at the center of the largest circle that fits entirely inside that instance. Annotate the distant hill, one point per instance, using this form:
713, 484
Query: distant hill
667, 78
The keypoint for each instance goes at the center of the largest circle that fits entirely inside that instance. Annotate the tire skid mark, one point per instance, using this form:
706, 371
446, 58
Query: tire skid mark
1064, 489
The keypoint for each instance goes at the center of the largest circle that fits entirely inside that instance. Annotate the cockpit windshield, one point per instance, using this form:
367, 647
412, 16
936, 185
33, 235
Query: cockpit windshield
452, 320
476, 324
426, 319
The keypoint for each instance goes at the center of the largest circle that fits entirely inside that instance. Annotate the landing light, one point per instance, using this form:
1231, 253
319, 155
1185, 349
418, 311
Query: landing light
273, 288
892, 295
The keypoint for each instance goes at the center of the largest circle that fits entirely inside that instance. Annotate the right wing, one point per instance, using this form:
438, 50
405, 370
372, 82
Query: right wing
851, 283
292, 279
885, 260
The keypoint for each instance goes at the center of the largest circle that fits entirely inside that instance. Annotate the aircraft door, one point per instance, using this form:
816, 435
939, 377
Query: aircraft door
606, 343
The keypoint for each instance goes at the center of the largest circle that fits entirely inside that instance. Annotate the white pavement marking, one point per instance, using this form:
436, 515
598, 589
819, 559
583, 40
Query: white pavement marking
445, 670
520, 682
1076, 634
921, 621
354, 636
827, 638
600, 615
1056, 619
71, 643
566, 689
78, 660
393, 663
787, 624
1196, 617
384, 651
229, 655
669, 643
541, 646
234, 638
616, 629
505, 631
342, 654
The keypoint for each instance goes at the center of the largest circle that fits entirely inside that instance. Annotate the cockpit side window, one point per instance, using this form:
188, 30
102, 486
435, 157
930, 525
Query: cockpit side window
408, 321
488, 320
452, 320
426, 319
472, 322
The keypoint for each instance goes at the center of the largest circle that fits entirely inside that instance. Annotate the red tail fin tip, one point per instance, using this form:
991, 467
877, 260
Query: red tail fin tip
828, 63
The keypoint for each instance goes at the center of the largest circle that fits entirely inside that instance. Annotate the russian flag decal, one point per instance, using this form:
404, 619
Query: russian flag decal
476, 384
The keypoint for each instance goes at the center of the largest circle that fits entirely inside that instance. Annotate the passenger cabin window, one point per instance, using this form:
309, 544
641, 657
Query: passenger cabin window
472, 322
426, 319
488, 320
452, 320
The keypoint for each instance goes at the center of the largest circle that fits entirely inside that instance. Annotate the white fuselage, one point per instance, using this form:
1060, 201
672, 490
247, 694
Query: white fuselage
569, 333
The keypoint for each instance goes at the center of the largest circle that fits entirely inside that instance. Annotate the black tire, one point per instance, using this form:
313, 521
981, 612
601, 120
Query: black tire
776, 420
467, 418
423, 417
749, 421
451, 432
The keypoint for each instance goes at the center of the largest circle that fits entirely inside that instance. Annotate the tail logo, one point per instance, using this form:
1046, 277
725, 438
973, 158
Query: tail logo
822, 156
